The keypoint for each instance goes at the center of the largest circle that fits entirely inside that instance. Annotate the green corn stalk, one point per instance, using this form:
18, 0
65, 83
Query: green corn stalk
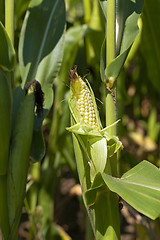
93, 147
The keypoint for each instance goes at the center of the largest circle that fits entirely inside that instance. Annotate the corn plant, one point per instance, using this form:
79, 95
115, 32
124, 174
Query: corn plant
96, 148
29, 65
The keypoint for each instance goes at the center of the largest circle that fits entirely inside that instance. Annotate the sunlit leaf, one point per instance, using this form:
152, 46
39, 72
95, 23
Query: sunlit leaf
40, 54
140, 187
128, 12
7, 53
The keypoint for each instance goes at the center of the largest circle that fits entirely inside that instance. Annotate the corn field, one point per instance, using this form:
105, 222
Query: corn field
79, 120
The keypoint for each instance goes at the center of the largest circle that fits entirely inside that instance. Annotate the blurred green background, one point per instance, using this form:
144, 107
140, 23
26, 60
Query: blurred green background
53, 206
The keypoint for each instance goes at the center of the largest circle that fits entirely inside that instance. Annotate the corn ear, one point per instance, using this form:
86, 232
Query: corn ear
82, 101
87, 125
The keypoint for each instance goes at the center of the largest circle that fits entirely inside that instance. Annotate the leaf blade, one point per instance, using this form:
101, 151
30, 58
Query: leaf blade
137, 187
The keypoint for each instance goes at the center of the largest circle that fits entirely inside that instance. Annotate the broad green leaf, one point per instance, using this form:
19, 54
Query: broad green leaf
140, 187
105, 216
18, 160
7, 53
40, 54
41, 31
150, 47
128, 12
4, 219
5, 122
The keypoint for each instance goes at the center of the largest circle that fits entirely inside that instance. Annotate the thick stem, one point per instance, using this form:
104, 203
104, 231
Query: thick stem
87, 10
110, 39
111, 94
110, 55
9, 19
9, 25
111, 106
111, 111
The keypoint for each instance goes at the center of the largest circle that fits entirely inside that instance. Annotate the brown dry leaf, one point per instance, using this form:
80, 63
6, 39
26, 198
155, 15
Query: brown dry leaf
76, 190
143, 141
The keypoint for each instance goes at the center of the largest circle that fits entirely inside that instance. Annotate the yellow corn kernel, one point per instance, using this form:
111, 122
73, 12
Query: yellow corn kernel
83, 98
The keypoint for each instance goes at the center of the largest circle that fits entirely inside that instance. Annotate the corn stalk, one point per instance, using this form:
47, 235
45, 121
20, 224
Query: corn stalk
93, 146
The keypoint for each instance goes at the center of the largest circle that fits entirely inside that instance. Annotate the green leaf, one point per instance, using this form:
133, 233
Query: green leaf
41, 31
20, 8
150, 47
140, 187
106, 216
98, 153
18, 159
5, 122
103, 4
90, 194
103, 208
82, 164
38, 146
128, 12
41, 53
7, 53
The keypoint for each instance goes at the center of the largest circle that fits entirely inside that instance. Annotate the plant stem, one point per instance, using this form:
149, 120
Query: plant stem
110, 55
9, 18
111, 109
9, 25
87, 10
110, 112
110, 38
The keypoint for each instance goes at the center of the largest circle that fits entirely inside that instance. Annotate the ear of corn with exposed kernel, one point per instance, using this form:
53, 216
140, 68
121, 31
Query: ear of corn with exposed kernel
87, 125
83, 105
